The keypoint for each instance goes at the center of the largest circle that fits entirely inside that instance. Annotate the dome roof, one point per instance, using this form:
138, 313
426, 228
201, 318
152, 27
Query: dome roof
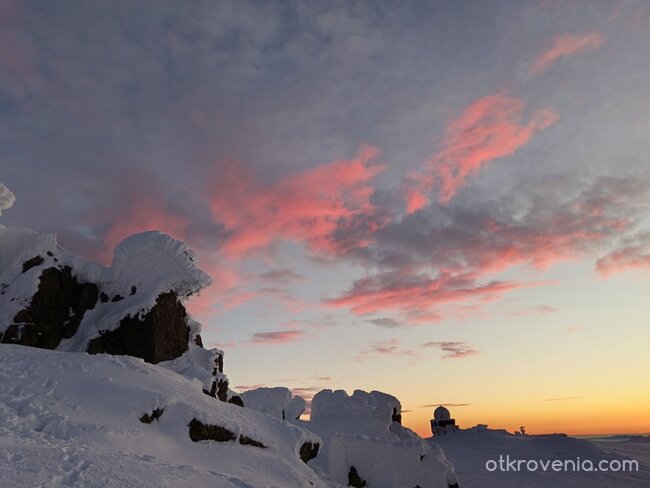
441, 413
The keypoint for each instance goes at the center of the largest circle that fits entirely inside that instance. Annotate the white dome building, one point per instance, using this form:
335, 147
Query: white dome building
442, 423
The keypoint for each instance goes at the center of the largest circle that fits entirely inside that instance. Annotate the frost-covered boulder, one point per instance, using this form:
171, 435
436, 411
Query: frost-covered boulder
277, 402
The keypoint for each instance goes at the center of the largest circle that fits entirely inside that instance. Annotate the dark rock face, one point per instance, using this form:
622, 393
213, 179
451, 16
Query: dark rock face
31, 263
247, 441
236, 400
55, 312
206, 432
308, 451
148, 418
455, 485
355, 480
218, 390
160, 335
397, 417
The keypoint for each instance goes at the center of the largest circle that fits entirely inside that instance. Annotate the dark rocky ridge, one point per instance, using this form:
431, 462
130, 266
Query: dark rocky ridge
161, 334
55, 311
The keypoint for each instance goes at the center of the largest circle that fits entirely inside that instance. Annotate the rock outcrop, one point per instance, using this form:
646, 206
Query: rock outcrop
161, 334
54, 312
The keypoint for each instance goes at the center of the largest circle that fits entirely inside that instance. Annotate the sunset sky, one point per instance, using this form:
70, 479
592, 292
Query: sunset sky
445, 200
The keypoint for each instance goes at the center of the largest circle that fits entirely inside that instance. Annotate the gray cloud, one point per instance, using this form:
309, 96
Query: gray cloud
452, 350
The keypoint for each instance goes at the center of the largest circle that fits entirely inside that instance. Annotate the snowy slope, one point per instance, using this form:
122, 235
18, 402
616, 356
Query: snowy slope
70, 419
470, 449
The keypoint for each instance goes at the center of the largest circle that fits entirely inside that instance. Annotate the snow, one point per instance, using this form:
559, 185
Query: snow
70, 419
7, 198
388, 464
277, 402
368, 414
470, 449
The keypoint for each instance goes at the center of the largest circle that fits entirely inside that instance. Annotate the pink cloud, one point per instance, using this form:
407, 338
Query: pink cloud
305, 207
418, 296
492, 127
566, 45
277, 337
625, 259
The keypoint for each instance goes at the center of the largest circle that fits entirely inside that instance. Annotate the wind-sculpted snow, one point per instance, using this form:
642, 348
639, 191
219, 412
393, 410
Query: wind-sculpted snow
74, 420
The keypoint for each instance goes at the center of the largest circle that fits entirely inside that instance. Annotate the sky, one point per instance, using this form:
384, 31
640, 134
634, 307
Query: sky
444, 200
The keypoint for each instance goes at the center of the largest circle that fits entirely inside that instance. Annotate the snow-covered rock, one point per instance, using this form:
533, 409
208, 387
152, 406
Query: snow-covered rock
53, 299
369, 414
277, 402
363, 440
69, 419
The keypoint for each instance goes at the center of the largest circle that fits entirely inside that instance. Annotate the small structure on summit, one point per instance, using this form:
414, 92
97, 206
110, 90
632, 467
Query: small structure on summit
442, 423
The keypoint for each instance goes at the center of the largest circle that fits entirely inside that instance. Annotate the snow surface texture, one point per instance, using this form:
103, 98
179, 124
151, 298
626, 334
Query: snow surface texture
73, 420
470, 449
